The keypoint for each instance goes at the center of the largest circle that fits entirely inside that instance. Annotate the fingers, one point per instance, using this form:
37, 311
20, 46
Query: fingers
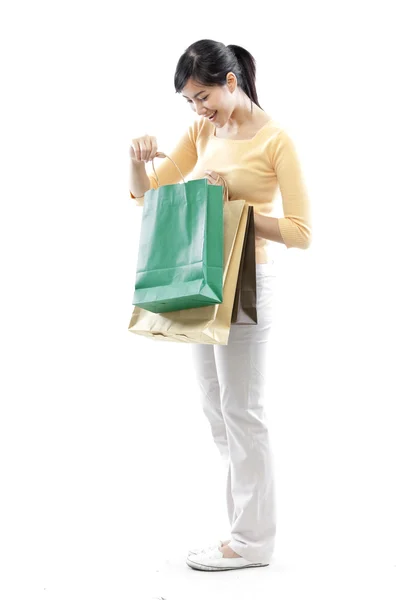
213, 177
154, 149
140, 150
144, 149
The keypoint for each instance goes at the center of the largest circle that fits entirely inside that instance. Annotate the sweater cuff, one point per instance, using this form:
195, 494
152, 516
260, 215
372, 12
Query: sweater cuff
139, 199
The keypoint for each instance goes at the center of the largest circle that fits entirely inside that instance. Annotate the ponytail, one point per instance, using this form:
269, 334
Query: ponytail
247, 65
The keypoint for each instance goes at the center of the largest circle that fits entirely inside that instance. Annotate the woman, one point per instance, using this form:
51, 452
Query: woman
234, 138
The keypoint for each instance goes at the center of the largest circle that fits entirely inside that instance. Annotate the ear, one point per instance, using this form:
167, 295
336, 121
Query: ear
231, 81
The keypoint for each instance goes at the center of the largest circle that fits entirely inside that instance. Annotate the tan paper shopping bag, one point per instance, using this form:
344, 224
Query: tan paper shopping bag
210, 324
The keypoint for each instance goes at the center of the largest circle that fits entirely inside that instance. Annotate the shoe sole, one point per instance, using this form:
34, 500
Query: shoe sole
198, 567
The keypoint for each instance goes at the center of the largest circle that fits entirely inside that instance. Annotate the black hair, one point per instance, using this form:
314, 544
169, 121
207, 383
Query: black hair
208, 62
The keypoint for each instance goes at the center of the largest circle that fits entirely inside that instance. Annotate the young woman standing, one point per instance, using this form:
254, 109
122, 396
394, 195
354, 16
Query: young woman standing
235, 138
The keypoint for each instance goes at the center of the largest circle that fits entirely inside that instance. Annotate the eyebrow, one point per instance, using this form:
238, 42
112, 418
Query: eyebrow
195, 96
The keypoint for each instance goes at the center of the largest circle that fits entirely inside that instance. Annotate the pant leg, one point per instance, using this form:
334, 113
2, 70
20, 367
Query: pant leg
206, 374
242, 368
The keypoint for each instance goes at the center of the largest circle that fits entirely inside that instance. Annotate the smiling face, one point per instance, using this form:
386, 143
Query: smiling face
207, 100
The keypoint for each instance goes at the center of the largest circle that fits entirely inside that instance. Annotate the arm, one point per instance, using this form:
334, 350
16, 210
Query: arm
294, 229
267, 227
185, 156
139, 182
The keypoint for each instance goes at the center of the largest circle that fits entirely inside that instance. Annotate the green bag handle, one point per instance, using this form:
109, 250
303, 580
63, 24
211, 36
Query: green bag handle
162, 155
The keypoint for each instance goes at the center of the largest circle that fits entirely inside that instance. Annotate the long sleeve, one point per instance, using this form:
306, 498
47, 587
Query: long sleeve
295, 226
184, 155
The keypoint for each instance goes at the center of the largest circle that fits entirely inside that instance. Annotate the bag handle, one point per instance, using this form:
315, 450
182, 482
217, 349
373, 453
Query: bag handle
162, 155
225, 186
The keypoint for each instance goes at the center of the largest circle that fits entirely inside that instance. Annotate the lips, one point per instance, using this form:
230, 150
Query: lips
211, 115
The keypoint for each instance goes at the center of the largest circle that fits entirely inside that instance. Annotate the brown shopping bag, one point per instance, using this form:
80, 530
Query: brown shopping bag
245, 304
209, 324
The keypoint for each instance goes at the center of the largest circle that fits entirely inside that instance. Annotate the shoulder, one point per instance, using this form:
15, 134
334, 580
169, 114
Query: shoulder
277, 140
273, 130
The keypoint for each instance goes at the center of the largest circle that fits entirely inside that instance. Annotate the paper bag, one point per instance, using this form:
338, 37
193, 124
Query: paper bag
245, 304
180, 259
210, 324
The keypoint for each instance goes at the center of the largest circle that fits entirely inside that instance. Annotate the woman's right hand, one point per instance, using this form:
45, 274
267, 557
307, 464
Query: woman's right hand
144, 149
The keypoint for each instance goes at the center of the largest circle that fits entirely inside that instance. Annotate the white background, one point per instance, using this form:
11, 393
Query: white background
108, 469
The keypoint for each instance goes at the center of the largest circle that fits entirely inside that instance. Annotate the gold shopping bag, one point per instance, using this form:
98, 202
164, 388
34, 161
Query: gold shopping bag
209, 324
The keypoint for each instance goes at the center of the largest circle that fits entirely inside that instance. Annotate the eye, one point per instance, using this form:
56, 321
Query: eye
201, 99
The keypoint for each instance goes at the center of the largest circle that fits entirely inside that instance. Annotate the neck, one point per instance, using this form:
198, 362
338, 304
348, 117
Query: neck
242, 115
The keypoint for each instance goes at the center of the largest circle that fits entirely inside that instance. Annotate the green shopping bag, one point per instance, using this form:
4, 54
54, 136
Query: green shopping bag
180, 260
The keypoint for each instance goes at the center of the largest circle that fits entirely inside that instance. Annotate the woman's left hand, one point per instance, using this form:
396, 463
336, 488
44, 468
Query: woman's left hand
213, 178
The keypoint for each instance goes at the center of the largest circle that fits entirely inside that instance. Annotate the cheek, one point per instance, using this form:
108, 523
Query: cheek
218, 104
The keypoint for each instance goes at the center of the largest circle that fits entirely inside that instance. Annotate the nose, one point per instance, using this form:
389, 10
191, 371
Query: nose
200, 110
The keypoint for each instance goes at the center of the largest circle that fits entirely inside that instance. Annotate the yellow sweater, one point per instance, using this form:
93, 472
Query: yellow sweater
252, 168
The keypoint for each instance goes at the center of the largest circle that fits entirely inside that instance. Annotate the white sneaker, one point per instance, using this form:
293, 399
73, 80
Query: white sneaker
213, 560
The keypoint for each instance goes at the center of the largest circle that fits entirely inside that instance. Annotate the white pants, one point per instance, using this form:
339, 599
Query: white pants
233, 382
